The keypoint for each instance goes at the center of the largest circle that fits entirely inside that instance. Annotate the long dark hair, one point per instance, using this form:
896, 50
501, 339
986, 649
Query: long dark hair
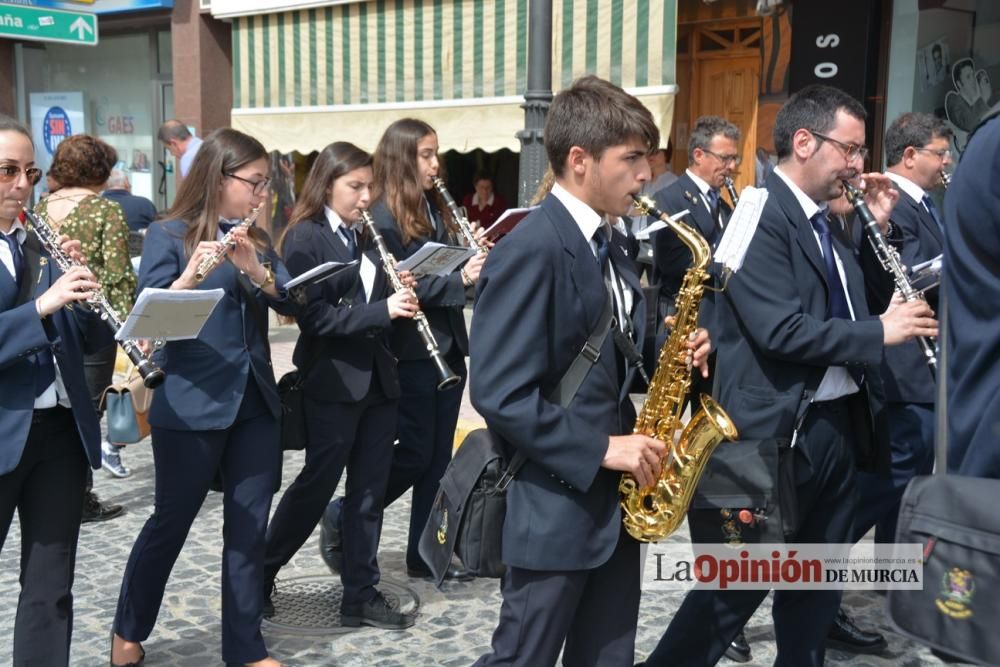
197, 202
334, 161
397, 180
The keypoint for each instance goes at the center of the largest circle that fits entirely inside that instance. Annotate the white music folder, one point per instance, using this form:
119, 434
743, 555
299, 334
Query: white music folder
167, 314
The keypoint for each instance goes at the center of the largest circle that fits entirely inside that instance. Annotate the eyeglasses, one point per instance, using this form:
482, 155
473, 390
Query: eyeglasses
940, 153
851, 151
9, 172
258, 186
724, 159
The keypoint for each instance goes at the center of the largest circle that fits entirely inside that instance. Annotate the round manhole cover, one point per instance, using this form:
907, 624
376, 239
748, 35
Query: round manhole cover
311, 605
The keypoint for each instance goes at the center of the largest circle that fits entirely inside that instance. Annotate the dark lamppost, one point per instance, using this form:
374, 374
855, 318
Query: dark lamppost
536, 99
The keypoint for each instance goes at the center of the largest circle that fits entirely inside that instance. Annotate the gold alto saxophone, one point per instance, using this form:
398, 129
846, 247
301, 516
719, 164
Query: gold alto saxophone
152, 375
652, 513
209, 262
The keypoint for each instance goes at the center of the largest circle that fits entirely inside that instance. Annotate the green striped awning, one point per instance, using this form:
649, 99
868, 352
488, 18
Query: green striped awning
353, 68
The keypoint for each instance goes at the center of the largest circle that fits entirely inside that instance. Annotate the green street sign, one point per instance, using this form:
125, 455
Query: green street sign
41, 24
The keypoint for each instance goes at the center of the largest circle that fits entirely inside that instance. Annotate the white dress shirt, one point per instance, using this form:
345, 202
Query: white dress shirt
836, 382
910, 188
589, 222
367, 268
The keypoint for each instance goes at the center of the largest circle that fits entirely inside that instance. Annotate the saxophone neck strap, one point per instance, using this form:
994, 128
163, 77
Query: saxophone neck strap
574, 376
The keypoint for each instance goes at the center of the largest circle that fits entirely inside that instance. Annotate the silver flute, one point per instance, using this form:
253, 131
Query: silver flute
889, 259
945, 179
732, 190
460, 218
152, 375
209, 262
448, 376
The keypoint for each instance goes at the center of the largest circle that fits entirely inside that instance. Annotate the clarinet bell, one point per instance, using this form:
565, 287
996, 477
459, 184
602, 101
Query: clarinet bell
153, 376
448, 377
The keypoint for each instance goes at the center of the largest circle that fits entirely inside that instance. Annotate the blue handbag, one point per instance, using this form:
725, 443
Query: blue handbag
127, 405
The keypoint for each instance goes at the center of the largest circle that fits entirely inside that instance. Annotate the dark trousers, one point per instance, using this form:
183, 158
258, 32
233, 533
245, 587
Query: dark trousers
707, 621
426, 433
46, 488
358, 436
99, 371
911, 436
185, 463
593, 612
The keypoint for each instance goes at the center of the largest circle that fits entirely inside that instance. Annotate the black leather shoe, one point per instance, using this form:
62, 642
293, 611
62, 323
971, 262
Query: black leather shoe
739, 649
846, 636
331, 542
267, 605
138, 663
455, 573
377, 613
93, 510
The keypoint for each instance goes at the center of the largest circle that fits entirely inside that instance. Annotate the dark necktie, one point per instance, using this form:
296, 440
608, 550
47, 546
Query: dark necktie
16, 255
713, 202
226, 227
837, 306
350, 240
602, 242
932, 209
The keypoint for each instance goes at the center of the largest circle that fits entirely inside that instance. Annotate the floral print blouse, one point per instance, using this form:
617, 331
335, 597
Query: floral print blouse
99, 225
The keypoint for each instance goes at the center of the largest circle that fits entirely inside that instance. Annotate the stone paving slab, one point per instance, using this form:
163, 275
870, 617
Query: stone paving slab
454, 626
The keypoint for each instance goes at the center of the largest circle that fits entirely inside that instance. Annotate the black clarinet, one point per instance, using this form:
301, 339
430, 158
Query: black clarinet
889, 259
448, 377
731, 187
152, 375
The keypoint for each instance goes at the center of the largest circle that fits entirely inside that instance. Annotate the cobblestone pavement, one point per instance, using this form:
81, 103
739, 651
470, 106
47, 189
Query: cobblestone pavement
454, 626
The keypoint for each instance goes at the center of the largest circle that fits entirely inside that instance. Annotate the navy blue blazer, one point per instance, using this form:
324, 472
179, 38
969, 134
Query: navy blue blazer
442, 298
70, 333
774, 340
972, 285
207, 376
539, 298
670, 256
139, 211
344, 338
907, 377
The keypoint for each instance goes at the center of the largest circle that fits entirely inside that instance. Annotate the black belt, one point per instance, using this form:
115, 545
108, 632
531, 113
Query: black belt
50, 414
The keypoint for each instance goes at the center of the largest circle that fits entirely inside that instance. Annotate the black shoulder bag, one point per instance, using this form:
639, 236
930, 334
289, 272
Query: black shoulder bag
955, 520
469, 509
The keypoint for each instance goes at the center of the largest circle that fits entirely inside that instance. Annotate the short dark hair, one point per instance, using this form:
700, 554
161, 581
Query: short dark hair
595, 115
912, 129
173, 129
707, 127
812, 108
82, 160
482, 176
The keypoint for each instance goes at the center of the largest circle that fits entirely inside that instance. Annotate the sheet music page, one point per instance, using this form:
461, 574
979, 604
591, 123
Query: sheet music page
741, 228
326, 269
166, 314
435, 259
643, 234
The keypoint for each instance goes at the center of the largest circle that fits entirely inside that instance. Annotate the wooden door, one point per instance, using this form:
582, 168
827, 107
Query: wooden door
728, 87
